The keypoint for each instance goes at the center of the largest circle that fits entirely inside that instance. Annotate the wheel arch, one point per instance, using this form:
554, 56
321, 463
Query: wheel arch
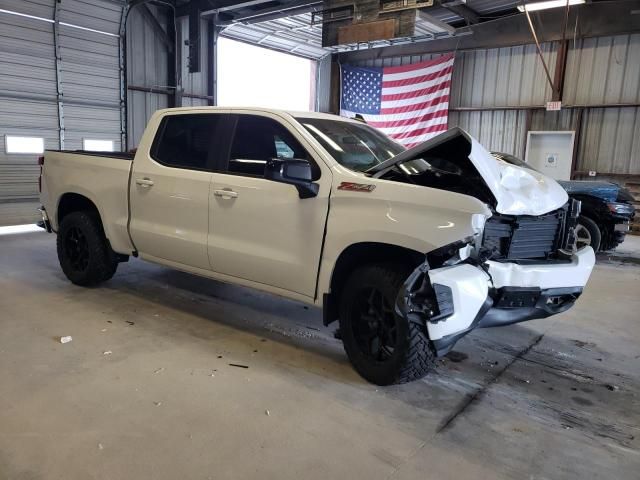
355, 256
74, 202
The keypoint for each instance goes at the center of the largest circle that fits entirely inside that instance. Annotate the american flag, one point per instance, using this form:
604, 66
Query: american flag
409, 103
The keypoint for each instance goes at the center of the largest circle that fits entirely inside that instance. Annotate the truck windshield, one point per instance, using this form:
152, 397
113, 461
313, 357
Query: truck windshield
355, 146
505, 157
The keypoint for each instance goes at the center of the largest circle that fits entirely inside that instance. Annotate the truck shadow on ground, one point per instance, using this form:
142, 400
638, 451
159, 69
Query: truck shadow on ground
260, 315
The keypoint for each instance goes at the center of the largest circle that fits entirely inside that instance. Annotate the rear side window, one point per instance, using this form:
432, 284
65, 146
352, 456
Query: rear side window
259, 139
185, 141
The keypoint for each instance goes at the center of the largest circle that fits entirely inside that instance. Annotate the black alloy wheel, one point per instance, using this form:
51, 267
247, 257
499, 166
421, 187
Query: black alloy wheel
83, 250
377, 331
383, 346
77, 249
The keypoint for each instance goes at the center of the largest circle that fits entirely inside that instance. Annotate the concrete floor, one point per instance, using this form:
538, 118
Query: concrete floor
550, 399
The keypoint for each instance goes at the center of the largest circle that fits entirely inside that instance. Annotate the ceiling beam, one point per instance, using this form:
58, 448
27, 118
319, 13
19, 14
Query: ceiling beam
133, 3
460, 8
230, 6
434, 22
590, 20
293, 8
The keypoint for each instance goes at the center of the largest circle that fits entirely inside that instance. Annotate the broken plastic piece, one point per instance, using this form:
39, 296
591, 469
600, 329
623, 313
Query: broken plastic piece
66, 339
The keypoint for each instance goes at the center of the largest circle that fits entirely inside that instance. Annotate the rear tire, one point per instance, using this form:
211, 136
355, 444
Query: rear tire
383, 347
83, 250
588, 233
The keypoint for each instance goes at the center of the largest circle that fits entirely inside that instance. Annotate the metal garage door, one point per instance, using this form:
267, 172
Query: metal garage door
27, 102
87, 75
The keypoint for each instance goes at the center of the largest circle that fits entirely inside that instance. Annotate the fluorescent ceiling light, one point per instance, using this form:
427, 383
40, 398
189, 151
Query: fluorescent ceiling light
532, 7
48, 20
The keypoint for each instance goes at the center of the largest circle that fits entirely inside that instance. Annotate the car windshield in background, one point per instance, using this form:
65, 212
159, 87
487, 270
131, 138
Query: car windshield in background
355, 146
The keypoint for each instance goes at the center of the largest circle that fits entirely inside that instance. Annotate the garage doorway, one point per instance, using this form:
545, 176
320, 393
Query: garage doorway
251, 76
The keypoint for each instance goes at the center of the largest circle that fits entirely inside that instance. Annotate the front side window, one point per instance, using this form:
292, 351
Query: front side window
185, 141
258, 140
356, 146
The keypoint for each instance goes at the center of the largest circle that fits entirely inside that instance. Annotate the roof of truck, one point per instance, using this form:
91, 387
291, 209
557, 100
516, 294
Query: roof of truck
296, 114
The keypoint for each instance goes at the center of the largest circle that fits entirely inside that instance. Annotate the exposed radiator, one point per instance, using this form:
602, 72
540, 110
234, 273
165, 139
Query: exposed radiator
525, 237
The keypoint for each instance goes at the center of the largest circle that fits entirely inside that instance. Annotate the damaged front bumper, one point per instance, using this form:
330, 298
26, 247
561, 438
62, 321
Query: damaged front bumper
454, 300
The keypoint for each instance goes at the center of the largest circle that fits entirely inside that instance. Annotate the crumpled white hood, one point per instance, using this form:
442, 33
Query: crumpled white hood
518, 191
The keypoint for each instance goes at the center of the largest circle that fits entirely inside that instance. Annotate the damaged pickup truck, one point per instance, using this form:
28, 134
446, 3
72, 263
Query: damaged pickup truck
409, 250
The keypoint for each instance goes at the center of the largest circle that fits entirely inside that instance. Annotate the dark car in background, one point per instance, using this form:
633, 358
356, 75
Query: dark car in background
607, 209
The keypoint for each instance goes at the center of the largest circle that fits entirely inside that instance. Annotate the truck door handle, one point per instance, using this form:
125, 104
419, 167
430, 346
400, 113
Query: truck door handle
225, 193
144, 182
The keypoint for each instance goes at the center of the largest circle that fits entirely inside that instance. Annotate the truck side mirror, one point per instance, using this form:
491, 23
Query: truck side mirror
294, 172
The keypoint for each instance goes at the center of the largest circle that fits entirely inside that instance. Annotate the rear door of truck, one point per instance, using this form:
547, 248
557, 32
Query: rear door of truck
169, 190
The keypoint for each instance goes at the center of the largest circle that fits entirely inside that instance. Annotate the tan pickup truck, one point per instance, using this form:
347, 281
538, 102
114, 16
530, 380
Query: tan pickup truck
409, 249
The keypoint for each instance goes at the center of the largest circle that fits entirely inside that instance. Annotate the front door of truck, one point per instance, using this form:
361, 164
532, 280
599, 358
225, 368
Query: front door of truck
261, 230
169, 190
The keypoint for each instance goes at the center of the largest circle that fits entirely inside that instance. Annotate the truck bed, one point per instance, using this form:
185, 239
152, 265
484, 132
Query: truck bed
101, 177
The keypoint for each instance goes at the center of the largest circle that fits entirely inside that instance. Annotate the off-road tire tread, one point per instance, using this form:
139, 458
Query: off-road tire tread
419, 357
103, 262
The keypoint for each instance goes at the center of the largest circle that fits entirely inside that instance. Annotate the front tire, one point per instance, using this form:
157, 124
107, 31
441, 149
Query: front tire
83, 251
588, 234
383, 347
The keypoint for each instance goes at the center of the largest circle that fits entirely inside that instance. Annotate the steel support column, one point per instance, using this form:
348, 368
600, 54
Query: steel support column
122, 64
173, 57
213, 32
59, 93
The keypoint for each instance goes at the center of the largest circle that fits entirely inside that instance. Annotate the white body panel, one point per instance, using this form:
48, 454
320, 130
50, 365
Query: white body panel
518, 191
410, 216
550, 275
266, 233
102, 180
469, 285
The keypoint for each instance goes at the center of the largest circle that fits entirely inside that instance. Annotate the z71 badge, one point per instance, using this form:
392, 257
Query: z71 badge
356, 187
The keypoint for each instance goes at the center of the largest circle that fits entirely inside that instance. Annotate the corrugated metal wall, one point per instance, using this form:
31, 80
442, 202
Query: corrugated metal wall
193, 83
147, 66
27, 93
323, 84
500, 77
91, 85
498, 130
600, 71
603, 70
28, 96
89, 80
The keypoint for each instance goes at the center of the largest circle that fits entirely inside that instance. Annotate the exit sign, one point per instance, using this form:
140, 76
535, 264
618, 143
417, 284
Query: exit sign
554, 106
